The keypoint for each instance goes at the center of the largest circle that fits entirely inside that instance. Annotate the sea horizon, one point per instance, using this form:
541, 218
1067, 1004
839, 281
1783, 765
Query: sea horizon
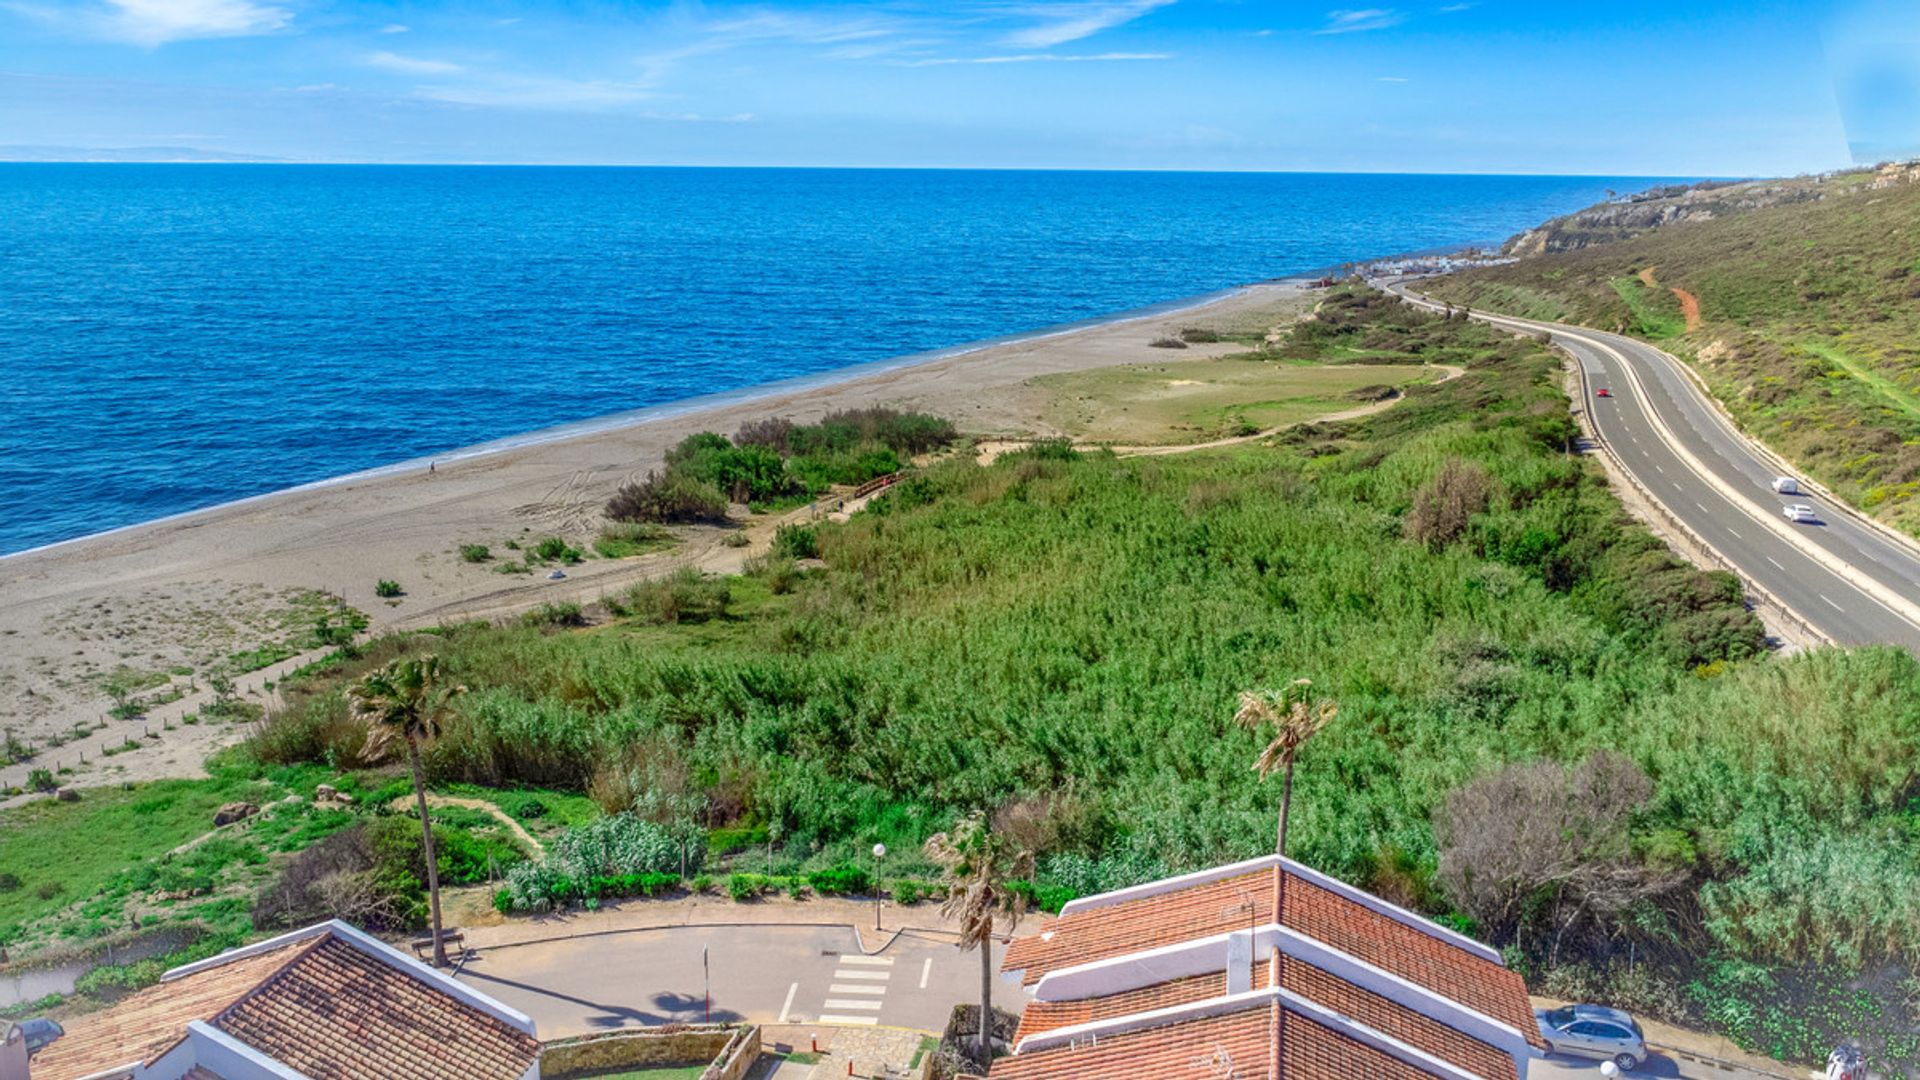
1035, 293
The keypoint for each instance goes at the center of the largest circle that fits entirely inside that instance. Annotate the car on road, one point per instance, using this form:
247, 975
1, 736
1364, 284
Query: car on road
1602, 392
1799, 512
39, 1032
1786, 485
1593, 1031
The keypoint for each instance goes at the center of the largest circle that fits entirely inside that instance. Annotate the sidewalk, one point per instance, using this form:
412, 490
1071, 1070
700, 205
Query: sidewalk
872, 1051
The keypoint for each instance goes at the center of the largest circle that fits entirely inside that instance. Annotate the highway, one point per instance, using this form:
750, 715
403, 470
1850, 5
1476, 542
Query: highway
1848, 580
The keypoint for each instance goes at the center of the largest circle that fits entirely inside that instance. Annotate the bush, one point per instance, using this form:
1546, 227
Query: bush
624, 539
842, 879
744, 887
1199, 336
562, 614
554, 549
1167, 343
41, 780
617, 855
1445, 505
796, 542
773, 433
387, 589
668, 498
687, 596
475, 553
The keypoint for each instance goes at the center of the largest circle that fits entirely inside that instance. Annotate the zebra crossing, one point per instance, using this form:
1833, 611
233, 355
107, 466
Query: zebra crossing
858, 990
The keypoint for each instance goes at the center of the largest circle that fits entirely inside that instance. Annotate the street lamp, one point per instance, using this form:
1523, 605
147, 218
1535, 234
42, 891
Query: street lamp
879, 852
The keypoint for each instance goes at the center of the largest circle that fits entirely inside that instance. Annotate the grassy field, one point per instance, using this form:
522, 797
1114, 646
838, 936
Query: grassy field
1810, 314
1197, 400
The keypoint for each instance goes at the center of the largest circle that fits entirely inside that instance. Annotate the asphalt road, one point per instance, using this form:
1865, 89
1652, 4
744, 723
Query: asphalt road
764, 974
1849, 581
1561, 1067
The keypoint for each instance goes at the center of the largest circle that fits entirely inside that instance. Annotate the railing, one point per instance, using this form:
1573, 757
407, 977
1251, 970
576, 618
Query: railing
877, 485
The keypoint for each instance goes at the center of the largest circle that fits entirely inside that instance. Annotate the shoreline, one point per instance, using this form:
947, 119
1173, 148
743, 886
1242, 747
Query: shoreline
174, 598
668, 410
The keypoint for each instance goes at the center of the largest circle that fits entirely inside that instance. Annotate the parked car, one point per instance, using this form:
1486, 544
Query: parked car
1593, 1031
1799, 512
1786, 485
1602, 392
39, 1032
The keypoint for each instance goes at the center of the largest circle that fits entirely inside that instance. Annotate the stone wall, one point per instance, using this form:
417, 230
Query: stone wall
673, 1044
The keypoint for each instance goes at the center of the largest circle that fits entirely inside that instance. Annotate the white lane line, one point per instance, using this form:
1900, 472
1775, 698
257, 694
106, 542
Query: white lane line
876, 976
844, 988
849, 1021
1677, 487
926, 969
870, 961
1830, 603
1770, 559
788, 1007
849, 1003
1663, 472
1736, 536
1702, 510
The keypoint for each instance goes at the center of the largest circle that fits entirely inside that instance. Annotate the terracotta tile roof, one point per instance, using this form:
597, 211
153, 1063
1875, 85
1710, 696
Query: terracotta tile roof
150, 1022
339, 1014
1234, 903
319, 1004
1235, 1044
1316, 985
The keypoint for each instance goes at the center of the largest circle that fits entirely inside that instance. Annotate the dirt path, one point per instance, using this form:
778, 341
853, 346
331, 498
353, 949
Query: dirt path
992, 449
1689, 307
527, 842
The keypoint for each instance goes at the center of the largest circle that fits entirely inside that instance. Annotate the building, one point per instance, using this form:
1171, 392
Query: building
324, 1003
1177, 978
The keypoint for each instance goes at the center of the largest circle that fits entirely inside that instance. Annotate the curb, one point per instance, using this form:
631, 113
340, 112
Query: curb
657, 927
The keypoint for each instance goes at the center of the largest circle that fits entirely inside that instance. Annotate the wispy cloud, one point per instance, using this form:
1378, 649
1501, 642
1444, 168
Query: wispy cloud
1391, 78
1061, 23
153, 23
1037, 58
1453, 8
540, 93
1352, 21
410, 65
393, 28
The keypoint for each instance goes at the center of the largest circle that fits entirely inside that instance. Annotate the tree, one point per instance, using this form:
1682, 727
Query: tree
982, 861
1294, 716
403, 701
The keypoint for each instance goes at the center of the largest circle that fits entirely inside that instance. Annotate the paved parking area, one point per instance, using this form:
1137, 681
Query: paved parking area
764, 974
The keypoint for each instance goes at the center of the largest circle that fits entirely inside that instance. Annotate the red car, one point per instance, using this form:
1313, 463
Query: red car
1603, 392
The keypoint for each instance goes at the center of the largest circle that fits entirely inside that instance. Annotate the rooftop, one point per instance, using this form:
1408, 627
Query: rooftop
327, 1001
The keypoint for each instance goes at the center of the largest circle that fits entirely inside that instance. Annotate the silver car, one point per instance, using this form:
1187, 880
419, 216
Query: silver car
1593, 1031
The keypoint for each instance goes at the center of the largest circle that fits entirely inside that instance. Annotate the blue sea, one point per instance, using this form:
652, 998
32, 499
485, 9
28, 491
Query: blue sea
176, 336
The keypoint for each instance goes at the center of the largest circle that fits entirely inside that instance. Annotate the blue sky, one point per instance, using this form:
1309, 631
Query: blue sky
1703, 87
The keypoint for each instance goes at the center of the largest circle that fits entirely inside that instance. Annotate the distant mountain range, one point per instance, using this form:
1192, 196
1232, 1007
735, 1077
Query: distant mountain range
129, 153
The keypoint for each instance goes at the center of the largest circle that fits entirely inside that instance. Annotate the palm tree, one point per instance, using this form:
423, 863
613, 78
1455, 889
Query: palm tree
981, 864
1294, 716
403, 701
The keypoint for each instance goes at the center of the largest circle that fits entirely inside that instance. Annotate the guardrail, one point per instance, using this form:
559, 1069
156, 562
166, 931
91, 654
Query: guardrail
877, 485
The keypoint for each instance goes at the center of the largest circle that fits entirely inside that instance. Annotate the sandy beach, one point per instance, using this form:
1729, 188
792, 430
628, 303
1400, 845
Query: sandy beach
168, 598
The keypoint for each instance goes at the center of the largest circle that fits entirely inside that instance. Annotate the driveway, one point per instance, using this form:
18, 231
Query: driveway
764, 974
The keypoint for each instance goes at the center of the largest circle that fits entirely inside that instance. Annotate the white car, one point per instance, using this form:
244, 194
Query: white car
1786, 485
1593, 1031
1799, 512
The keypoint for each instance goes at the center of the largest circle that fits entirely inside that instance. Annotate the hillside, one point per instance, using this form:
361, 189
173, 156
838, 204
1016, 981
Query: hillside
1797, 301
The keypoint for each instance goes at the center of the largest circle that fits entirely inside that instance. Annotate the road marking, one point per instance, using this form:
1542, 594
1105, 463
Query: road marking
877, 976
843, 988
1677, 487
1696, 503
850, 1021
833, 1003
926, 969
788, 1007
1663, 472
1770, 559
1736, 534
1831, 604
873, 961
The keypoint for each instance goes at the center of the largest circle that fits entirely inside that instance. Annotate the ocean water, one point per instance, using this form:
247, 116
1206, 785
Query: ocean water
176, 336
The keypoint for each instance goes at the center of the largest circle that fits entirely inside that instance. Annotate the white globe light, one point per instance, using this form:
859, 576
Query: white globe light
879, 851
1609, 1069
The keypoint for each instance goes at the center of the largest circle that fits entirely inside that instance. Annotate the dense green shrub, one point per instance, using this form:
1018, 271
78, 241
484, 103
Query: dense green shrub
686, 596
668, 498
796, 542
618, 855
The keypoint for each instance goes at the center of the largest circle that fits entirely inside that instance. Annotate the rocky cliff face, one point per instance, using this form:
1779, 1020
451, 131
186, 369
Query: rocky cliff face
1629, 216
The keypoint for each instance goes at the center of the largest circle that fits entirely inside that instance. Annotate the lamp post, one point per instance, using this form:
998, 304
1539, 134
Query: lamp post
879, 852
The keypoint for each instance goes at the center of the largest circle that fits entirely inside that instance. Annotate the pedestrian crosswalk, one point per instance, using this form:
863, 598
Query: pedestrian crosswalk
858, 990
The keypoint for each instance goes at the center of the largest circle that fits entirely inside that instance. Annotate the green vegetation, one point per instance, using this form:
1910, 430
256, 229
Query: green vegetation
773, 460
475, 553
625, 540
1195, 400
387, 589
1809, 314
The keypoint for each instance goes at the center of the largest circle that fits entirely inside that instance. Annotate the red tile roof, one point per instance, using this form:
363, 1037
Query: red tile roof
1237, 1044
1235, 903
339, 1014
1316, 985
319, 1004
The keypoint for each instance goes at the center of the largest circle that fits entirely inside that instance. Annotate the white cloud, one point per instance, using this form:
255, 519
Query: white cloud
156, 22
393, 28
1037, 58
410, 65
1061, 23
540, 92
1453, 8
1391, 78
1346, 21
